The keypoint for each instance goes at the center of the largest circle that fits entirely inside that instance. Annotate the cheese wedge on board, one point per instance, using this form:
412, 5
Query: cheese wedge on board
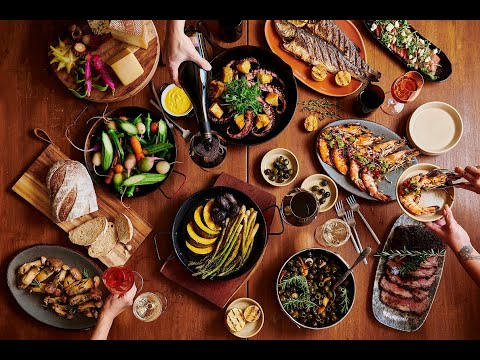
126, 66
132, 32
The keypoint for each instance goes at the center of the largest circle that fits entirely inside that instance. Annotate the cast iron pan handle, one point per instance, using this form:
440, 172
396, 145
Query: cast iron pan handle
156, 246
175, 193
203, 28
281, 220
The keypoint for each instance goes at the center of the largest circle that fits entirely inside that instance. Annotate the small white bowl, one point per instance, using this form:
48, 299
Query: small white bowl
270, 157
435, 128
251, 328
162, 99
438, 197
331, 187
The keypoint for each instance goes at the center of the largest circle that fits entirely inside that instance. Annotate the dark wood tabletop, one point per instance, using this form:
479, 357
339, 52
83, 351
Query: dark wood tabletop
31, 96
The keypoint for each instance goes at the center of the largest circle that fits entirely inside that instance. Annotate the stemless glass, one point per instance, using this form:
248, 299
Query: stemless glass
149, 306
120, 279
405, 89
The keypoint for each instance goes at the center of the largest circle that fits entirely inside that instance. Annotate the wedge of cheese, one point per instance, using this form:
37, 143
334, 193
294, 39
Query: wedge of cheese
132, 32
126, 66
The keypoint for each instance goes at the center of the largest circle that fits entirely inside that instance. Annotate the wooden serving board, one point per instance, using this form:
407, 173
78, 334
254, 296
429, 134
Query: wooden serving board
31, 186
148, 59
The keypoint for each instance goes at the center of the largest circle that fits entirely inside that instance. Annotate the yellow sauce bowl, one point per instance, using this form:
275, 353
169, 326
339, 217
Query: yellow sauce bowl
175, 101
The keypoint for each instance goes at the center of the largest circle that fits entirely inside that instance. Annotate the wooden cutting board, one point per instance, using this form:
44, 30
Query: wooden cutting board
31, 186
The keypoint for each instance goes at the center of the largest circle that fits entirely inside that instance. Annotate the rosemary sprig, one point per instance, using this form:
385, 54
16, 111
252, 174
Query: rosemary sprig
303, 300
35, 283
345, 300
390, 254
321, 107
298, 281
85, 273
297, 304
72, 309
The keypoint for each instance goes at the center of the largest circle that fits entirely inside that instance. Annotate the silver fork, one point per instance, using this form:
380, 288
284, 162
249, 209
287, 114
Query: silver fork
351, 221
352, 202
341, 214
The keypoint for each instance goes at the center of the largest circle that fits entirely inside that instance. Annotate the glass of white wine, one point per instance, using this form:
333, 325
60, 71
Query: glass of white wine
148, 306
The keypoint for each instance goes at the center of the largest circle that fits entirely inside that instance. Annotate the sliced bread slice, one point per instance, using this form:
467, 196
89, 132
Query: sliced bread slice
124, 228
87, 233
104, 243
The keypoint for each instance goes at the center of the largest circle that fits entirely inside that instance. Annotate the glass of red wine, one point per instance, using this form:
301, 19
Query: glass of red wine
369, 99
405, 89
120, 279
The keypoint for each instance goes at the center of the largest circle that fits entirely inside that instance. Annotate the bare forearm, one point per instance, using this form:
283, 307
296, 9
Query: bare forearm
470, 260
102, 328
175, 26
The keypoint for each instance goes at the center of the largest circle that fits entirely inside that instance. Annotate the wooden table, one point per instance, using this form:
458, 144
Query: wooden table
31, 96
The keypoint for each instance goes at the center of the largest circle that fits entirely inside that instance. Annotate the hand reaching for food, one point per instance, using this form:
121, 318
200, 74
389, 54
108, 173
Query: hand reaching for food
178, 48
472, 175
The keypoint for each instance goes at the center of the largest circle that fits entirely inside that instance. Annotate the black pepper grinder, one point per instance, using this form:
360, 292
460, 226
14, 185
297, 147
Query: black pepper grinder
207, 148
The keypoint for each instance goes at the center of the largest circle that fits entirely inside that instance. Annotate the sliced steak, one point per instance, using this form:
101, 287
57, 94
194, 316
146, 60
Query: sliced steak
418, 273
421, 283
405, 305
432, 261
397, 290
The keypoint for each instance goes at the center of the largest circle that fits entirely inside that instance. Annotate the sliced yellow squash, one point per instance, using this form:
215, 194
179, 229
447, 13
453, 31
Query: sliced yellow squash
200, 227
199, 251
195, 237
208, 218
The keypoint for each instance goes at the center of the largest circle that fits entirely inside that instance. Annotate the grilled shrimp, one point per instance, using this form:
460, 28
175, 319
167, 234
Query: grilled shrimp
354, 172
389, 147
339, 159
369, 182
367, 139
323, 150
410, 190
397, 159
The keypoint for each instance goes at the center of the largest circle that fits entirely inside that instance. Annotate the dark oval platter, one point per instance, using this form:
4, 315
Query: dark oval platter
444, 69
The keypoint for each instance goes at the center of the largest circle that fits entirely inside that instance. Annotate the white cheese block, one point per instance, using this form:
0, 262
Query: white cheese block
126, 66
132, 32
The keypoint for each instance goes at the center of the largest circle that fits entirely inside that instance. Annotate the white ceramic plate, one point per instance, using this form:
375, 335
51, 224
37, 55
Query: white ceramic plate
331, 187
270, 157
251, 328
438, 197
435, 128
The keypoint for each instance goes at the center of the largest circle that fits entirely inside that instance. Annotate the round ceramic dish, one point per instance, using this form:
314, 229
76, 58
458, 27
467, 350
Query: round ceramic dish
435, 128
251, 328
438, 197
163, 96
331, 187
270, 157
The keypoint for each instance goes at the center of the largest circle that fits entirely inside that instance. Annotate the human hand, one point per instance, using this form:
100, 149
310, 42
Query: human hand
472, 175
115, 304
179, 48
449, 230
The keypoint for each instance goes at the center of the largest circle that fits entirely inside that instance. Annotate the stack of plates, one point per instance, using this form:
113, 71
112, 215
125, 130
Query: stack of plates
435, 128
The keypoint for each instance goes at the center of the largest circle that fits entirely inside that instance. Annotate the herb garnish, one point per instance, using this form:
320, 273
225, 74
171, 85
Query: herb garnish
242, 97
303, 300
85, 274
415, 258
322, 108
345, 302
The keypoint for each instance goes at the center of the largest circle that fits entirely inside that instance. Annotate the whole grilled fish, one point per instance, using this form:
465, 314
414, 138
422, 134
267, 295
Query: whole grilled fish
329, 31
313, 50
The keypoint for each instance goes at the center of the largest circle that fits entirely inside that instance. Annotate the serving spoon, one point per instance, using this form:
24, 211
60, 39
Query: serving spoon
360, 257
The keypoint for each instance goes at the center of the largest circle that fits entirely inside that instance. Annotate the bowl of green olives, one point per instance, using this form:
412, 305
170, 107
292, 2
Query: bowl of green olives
304, 289
279, 167
324, 189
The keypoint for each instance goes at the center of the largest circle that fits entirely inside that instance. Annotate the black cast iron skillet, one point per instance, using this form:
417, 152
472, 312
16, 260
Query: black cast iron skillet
185, 215
267, 60
94, 136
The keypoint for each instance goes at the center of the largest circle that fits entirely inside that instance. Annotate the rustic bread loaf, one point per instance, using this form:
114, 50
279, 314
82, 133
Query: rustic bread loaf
87, 233
105, 243
71, 190
124, 228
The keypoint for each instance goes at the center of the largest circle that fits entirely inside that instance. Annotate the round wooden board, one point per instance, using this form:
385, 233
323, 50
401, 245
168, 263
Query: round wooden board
301, 69
148, 59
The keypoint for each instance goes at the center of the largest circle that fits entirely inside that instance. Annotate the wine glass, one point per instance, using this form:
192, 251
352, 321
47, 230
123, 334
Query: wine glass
149, 305
404, 89
120, 279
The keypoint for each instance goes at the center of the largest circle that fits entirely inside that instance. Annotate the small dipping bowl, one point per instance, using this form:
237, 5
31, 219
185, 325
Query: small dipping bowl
331, 187
269, 159
175, 101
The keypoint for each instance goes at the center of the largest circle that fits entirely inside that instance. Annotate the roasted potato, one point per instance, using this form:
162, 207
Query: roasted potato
79, 287
262, 121
60, 277
227, 74
40, 288
44, 274
29, 277
55, 300
91, 312
264, 78
244, 67
217, 88
90, 304
216, 110
240, 121
22, 270
272, 99
80, 299
61, 310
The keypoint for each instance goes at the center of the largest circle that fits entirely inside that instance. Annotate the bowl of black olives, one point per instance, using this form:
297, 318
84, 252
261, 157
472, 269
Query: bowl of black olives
279, 167
304, 289
324, 189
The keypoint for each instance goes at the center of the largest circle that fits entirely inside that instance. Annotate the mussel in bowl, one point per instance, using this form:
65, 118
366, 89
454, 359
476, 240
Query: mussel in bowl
304, 289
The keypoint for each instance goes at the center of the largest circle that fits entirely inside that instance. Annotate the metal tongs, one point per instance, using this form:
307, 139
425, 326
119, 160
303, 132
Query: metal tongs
452, 178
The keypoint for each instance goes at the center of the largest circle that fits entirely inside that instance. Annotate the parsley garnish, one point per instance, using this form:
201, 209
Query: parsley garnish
242, 97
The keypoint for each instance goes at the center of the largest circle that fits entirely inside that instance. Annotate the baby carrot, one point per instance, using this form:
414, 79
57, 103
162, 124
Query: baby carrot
137, 148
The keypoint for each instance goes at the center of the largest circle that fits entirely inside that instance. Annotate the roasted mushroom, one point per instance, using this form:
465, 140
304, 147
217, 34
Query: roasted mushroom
80, 299
218, 215
27, 266
222, 203
234, 210
29, 277
44, 274
79, 287
231, 199
61, 275
55, 300
75, 32
77, 275
50, 288
55, 264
